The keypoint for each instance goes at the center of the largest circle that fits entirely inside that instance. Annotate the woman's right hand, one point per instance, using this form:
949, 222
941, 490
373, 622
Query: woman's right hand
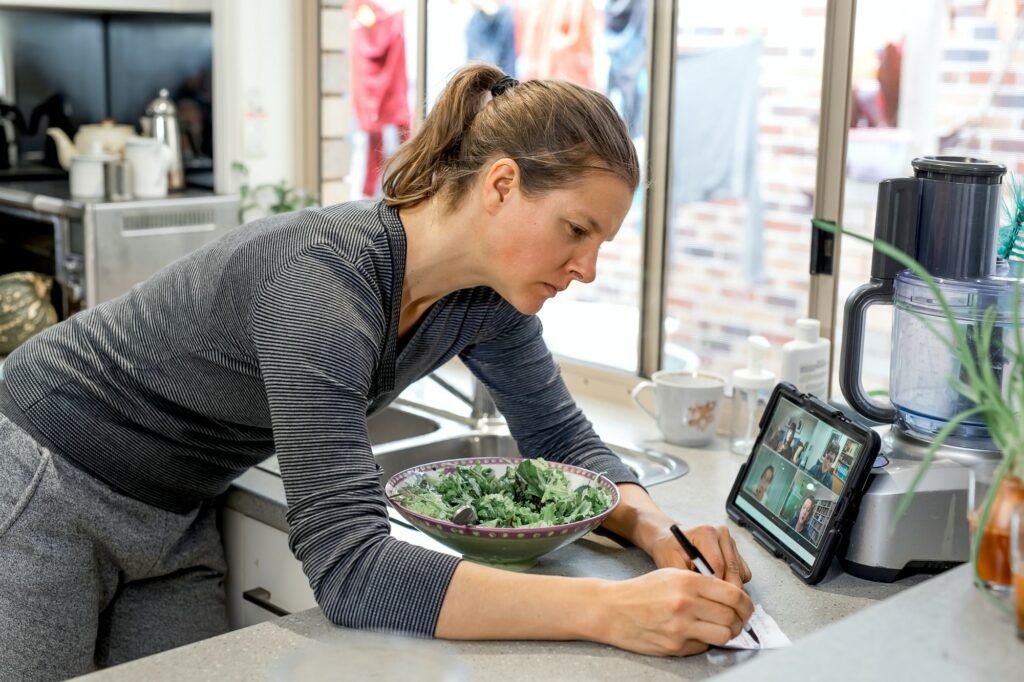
672, 612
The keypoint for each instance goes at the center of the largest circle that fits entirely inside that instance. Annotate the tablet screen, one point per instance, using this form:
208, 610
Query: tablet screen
796, 477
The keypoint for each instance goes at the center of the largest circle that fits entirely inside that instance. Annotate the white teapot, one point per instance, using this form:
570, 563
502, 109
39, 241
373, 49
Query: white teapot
110, 136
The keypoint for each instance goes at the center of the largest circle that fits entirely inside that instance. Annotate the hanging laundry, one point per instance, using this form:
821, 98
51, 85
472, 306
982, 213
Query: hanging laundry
490, 36
556, 39
379, 84
625, 22
375, 157
715, 136
380, 87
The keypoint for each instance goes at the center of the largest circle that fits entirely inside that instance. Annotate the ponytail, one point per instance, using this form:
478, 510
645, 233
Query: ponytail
556, 131
415, 172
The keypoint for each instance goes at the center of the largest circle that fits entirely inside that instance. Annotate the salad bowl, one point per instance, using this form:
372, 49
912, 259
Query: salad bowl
511, 548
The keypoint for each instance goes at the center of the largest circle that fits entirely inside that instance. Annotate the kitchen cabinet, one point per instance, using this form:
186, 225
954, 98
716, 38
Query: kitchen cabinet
260, 564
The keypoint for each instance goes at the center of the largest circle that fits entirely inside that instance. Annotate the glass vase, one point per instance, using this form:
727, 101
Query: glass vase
1017, 564
993, 557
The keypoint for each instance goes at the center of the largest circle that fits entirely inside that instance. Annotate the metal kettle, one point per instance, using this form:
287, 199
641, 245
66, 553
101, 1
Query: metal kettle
161, 122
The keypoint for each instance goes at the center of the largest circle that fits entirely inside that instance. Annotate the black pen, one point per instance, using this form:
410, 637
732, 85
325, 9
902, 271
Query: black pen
703, 567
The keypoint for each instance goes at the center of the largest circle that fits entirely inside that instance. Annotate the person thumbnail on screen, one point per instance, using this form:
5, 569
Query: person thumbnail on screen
823, 470
769, 479
808, 508
787, 441
763, 481
800, 520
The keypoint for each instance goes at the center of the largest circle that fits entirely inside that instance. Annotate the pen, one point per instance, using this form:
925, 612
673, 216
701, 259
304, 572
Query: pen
702, 566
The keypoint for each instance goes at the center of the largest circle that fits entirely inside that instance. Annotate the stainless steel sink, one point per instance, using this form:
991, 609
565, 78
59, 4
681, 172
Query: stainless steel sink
390, 424
403, 437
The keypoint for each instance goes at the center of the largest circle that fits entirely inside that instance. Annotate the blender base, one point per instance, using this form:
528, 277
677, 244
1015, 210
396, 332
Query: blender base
933, 534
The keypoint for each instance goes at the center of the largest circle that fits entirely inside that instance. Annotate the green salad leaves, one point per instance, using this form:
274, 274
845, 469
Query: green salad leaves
531, 494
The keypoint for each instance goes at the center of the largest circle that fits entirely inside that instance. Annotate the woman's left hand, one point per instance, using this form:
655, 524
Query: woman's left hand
717, 546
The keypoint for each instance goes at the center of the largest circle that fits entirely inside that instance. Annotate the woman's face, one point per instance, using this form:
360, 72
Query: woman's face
805, 512
764, 482
542, 244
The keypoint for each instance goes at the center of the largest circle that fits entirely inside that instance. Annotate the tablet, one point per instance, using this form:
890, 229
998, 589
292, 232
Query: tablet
799, 489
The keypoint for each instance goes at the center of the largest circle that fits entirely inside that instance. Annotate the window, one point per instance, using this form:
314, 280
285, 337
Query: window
746, 107
598, 43
747, 93
943, 79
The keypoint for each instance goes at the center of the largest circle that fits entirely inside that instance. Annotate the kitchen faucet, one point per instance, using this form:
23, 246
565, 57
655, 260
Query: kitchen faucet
481, 403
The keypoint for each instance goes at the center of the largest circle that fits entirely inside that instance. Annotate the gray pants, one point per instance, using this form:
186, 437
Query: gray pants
90, 578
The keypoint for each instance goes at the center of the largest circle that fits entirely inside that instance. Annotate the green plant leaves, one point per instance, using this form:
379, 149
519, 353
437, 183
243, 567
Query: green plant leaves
269, 198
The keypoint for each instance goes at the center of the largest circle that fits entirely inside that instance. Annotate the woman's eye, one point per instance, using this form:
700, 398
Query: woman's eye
577, 231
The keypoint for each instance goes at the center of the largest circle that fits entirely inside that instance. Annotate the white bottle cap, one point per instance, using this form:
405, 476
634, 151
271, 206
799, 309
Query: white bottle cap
754, 375
808, 329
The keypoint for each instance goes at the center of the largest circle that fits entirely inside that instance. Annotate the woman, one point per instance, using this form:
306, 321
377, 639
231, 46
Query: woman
765, 480
124, 422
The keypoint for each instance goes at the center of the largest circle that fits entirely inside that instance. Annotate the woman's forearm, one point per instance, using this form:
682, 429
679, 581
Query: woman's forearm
489, 603
668, 611
637, 518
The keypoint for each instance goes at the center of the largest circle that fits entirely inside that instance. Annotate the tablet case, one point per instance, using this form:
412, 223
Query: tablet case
846, 507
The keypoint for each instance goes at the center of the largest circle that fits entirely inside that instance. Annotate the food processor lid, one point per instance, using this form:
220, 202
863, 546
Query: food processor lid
963, 169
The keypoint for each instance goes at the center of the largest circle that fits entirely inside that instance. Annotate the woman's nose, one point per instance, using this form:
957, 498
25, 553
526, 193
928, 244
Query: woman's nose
584, 266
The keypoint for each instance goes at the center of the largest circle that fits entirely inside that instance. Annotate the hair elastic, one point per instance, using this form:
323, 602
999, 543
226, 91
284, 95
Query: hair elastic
502, 85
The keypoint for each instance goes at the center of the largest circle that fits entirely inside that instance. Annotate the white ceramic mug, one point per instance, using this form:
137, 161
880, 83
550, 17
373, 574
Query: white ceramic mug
687, 405
150, 160
85, 175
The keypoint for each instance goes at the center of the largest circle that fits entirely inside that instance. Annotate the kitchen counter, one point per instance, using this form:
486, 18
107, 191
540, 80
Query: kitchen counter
942, 627
52, 196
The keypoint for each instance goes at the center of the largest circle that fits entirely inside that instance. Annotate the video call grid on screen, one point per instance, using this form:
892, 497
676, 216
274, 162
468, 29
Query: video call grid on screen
796, 477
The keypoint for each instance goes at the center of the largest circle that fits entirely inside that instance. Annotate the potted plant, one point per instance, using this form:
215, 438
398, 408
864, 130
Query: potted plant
996, 400
268, 198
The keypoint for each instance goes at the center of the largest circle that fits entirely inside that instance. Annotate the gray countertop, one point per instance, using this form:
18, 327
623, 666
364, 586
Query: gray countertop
944, 629
939, 630
943, 619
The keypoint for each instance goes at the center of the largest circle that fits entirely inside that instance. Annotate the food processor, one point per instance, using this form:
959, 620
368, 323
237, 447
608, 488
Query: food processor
945, 217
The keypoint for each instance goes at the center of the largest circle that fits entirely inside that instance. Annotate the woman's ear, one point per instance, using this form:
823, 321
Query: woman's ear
501, 178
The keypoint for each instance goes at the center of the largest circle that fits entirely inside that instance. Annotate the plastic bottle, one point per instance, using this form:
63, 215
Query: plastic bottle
751, 387
805, 359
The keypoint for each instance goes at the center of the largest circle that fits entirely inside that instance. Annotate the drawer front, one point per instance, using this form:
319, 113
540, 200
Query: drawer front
265, 579
260, 563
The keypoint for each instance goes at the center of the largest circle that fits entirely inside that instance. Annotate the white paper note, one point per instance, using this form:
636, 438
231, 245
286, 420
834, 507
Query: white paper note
766, 629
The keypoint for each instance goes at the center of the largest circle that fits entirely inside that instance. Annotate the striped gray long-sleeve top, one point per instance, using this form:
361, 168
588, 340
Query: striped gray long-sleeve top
281, 338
